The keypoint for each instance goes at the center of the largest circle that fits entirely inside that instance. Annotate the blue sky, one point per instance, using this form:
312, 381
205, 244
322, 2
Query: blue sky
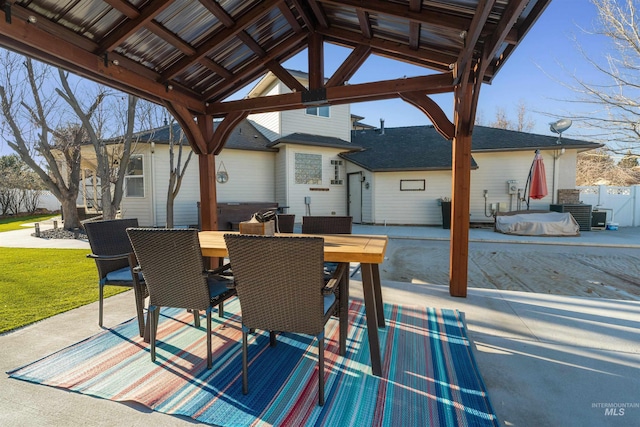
534, 74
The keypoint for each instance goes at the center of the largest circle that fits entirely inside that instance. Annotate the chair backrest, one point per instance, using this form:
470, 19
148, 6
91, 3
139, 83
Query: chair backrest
171, 262
286, 222
326, 224
279, 281
110, 238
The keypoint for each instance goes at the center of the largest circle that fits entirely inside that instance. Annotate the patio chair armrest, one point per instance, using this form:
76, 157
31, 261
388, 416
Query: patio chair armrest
335, 280
109, 257
218, 270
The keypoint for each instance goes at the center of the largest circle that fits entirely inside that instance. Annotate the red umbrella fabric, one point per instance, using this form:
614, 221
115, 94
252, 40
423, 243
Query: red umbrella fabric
538, 188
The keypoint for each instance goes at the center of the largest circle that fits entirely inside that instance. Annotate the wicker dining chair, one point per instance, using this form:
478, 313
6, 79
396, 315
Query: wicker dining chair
327, 224
281, 288
114, 259
286, 222
173, 268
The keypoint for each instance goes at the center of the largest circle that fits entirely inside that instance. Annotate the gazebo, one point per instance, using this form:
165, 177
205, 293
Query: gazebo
192, 55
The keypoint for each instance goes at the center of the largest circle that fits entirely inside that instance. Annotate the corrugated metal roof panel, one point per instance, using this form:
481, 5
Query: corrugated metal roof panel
269, 27
190, 21
150, 49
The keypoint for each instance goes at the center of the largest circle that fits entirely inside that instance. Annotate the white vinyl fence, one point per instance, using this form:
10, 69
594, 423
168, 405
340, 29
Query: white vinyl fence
48, 201
622, 204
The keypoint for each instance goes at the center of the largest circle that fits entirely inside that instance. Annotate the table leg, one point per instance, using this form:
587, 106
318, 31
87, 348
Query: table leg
147, 329
371, 313
377, 290
344, 311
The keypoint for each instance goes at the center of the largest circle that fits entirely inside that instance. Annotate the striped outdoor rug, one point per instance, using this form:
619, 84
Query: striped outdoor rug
430, 376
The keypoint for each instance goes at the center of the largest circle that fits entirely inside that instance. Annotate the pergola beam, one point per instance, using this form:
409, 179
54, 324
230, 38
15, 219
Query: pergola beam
429, 107
432, 84
432, 58
221, 37
61, 52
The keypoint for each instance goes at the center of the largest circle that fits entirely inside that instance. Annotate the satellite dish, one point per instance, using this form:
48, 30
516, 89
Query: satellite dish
560, 126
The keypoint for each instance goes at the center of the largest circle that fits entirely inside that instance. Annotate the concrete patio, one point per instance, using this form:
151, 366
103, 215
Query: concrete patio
546, 360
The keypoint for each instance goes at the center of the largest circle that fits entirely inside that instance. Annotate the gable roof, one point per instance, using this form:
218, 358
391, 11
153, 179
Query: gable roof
197, 53
412, 148
244, 137
494, 139
422, 148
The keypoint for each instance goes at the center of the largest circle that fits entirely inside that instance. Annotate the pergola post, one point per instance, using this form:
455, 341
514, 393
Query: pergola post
207, 166
208, 198
465, 98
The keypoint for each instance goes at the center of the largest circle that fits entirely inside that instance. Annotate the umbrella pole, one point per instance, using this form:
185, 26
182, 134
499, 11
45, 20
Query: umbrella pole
527, 186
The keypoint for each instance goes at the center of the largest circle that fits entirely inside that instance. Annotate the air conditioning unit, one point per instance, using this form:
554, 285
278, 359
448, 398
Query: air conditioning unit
512, 186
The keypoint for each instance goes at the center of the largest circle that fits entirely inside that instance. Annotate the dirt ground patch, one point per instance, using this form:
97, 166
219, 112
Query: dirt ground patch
554, 269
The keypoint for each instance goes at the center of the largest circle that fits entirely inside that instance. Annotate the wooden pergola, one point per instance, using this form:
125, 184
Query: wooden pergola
192, 55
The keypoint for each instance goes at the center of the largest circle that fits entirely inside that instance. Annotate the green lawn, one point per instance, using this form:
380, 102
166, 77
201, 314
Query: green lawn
39, 283
15, 223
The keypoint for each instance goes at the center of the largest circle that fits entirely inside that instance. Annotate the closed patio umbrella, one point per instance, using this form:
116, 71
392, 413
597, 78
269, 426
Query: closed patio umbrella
537, 179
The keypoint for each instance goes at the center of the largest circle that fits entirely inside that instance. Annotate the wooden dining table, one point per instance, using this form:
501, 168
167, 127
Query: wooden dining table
368, 250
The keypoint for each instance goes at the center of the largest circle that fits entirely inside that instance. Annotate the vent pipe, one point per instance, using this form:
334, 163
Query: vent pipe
381, 126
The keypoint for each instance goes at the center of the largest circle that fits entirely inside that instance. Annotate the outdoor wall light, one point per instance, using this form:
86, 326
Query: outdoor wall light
115, 62
32, 19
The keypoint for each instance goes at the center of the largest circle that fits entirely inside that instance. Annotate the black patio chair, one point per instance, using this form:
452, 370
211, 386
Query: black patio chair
286, 222
115, 261
280, 285
173, 268
327, 225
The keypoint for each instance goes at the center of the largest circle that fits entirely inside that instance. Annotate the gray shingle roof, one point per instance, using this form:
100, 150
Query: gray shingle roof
493, 139
416, 148
244, 137
315, 140
413, 148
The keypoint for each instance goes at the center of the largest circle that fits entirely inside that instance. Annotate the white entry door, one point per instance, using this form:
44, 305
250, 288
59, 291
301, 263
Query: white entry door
355, 196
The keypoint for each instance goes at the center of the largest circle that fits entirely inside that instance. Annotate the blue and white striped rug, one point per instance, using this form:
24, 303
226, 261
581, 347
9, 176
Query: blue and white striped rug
430, 377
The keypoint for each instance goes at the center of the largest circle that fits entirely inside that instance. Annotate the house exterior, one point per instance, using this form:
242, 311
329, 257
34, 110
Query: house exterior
402, 173
323, 160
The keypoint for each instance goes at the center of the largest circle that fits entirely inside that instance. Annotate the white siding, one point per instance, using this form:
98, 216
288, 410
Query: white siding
251, 176
282, 178
331, 202
566, 165
337, 125
185, 210
140, 207
251, 179
383, 202
494, 169
269, 123
276, 125
393, 206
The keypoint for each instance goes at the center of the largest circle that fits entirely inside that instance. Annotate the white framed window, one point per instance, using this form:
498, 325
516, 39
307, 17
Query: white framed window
318, 111
337, 172
308, 168
134, 179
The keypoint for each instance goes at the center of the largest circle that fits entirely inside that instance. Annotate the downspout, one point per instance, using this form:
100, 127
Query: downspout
152, 179
556, 172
